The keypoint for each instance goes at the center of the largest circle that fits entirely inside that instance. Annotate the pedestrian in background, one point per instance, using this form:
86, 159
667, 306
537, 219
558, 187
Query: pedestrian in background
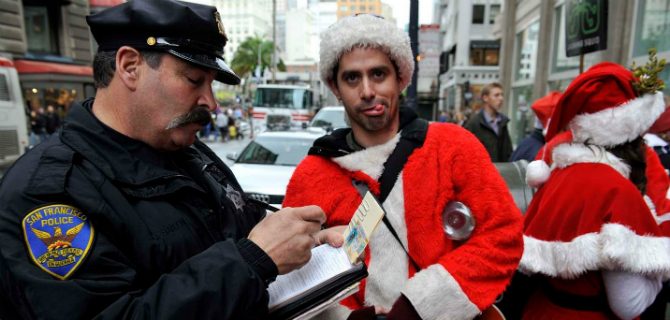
529, 146
222, 124
415, 270
52, 120
591, 243
489, 125
126, 214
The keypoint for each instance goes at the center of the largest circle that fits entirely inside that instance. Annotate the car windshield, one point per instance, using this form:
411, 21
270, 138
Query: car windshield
279, 151
329, 118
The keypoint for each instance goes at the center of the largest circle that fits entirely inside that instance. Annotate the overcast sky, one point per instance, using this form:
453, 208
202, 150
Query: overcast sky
401, 11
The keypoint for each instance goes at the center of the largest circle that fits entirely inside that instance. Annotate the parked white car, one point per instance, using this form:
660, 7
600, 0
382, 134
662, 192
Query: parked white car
266, 164
328, 119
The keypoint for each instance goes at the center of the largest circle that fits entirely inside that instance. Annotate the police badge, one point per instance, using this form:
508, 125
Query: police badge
58, 238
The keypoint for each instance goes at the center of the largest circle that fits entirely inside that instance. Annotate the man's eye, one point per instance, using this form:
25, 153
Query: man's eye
350, 77
194, 81
379, 74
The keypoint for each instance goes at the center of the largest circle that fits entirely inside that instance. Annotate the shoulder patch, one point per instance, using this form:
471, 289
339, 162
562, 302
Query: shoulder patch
58, 238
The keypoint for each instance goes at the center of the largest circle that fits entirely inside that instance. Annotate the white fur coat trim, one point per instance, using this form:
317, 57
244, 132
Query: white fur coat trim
616, 125
567, 154
336, 312
615, 248
436, 295
388, 265
370, 160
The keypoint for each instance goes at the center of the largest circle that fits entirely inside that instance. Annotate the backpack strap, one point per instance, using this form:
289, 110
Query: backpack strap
411, 137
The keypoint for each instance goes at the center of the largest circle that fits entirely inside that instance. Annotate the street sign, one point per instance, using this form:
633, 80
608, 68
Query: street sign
586, 26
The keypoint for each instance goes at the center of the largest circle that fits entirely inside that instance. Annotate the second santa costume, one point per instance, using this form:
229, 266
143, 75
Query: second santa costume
591, 242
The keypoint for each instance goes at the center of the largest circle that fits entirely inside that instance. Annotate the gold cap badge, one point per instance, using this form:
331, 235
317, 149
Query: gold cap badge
151, 41
219, 24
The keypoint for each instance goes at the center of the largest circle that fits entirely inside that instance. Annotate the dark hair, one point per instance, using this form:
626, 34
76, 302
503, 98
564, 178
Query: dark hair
487, 88
104, 65
633, 154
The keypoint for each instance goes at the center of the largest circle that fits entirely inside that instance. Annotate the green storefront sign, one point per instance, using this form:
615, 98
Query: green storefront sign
586, 26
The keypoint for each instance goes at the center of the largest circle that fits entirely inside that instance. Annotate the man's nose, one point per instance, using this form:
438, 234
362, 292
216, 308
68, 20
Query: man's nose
207, 99
367, 89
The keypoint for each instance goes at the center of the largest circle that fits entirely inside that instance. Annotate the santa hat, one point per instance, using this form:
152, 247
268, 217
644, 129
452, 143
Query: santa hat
662, 124
600, 107
367, 31
544, 106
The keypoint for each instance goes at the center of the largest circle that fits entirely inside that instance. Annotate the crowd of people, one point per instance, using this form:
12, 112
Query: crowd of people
126, 214
43, 123
226, 125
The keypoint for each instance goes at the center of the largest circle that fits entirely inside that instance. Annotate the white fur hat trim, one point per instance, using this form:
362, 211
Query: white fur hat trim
366, 31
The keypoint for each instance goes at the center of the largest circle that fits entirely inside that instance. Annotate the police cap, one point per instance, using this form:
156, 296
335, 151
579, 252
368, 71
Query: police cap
190, 31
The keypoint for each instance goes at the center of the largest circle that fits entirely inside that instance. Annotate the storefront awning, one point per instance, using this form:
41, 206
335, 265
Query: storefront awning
28, 67
4, 62
105, 3
485, 44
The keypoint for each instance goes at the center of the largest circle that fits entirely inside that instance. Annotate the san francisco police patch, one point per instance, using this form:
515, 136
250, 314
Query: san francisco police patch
58, 237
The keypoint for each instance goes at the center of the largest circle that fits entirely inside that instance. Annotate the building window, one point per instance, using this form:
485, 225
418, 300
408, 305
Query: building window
522, 118
526, 52
652, 27
483, 57
478, 14
41, 24
493, 13
484, 52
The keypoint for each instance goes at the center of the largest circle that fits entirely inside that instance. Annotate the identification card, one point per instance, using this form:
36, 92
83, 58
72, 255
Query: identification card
362, 225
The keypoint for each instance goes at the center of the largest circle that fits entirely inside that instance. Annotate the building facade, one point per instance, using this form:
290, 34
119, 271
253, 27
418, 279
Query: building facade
51, 47
469, 56
350, 7
244, 19
533, 55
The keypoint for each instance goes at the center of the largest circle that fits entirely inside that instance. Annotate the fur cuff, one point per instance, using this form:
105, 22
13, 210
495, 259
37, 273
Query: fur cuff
435, 294
615, 248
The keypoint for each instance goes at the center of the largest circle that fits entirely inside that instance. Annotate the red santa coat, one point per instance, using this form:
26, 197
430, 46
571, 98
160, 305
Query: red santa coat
451, 165
586, 218
658, 189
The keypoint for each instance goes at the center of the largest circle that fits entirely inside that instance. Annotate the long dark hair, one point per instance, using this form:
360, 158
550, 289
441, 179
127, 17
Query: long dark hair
633, 154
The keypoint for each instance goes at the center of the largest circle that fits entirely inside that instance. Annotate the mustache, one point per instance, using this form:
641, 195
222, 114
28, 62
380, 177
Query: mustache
199, 115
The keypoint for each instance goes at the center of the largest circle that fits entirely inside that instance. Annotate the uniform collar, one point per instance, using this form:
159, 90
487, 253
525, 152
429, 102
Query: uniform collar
119, 157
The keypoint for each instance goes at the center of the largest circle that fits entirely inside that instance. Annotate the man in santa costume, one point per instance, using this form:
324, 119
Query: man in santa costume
591, 242
420, 272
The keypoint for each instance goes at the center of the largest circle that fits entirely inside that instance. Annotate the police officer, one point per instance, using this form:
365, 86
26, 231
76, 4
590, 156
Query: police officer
126, 214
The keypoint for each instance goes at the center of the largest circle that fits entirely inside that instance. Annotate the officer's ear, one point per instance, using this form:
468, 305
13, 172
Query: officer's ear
128, 61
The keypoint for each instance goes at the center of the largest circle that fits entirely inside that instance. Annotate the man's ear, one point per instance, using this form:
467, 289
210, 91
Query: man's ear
128, 61
332, 84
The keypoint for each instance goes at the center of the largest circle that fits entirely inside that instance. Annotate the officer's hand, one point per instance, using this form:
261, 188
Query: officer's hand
287, 236
332, 236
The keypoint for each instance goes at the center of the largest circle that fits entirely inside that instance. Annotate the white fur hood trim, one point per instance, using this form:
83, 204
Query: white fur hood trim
568, 154
614, 126
615, 248
370, 160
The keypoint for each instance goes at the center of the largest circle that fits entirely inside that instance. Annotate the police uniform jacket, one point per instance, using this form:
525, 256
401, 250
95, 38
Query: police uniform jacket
164, 234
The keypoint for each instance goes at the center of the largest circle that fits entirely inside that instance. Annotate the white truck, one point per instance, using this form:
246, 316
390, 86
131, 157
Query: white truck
13, 123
